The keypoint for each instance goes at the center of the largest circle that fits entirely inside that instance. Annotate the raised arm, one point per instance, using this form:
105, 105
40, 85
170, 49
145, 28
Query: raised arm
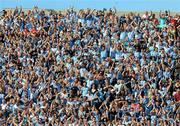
160, 13
115, 10
169, 13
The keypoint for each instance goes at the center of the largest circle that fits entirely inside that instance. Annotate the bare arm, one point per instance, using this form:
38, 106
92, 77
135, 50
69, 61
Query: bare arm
169, 13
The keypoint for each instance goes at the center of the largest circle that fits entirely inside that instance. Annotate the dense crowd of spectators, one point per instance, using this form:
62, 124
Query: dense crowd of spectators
89, 68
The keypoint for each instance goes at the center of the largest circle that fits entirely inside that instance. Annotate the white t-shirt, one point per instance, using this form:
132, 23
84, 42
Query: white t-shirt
3, 106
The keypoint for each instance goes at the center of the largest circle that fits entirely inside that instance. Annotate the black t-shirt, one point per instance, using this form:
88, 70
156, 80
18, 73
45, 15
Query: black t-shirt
1, 38
122, 19
46, 27
112, 115
75, 90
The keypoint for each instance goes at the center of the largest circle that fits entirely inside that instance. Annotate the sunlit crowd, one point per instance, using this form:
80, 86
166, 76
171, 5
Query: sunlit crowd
89, 68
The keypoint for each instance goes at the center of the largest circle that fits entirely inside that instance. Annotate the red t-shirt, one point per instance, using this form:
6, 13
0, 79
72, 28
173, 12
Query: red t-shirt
33, 31
177, 96
173, 21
